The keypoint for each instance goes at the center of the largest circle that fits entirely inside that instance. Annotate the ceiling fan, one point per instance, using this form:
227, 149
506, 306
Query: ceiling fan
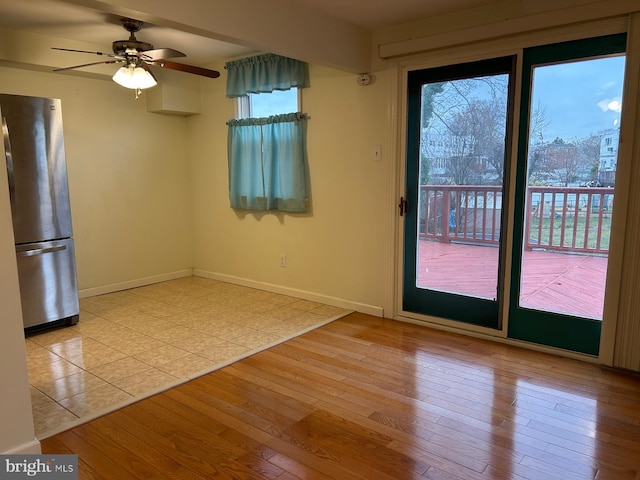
137, 56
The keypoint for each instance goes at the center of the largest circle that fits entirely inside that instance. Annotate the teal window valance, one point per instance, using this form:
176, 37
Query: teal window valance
264, 73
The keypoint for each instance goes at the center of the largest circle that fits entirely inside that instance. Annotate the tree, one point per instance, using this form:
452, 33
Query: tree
429, 91
466, 128
476, 142
538, 124
563, 162
425, 168
560, 162
465, 131
589, 157
489, 133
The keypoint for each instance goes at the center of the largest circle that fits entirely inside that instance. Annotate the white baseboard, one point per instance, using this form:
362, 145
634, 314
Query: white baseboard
293, 292
29, 448
139, 282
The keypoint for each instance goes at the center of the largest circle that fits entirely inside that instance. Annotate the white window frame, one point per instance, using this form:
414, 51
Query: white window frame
243, 105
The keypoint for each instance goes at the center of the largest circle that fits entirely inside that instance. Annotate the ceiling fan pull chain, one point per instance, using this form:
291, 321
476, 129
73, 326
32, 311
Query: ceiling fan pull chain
138, 92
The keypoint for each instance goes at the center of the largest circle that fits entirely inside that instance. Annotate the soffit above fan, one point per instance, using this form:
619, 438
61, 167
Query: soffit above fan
137, 58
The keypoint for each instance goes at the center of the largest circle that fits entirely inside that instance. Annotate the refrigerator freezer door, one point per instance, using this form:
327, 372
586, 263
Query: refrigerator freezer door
32, 130
48, 288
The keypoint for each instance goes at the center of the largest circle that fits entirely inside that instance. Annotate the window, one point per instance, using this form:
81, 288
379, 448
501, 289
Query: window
260, 105
266, 144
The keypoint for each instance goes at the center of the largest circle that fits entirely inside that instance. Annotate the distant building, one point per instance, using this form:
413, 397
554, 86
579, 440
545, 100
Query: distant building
438, 149
445, 154
555, 164
608, 157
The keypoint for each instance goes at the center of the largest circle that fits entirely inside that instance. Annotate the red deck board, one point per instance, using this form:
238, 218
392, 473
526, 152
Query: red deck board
562, 282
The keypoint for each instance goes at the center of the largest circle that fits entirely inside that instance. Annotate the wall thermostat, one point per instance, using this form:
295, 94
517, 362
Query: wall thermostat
364, 79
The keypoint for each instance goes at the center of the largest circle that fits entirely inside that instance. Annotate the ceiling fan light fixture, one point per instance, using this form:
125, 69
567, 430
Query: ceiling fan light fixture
136, 56
134, 77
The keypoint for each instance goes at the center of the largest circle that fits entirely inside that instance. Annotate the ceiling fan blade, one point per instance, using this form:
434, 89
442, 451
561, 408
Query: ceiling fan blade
146, 67
83, 51
86, 65
160, 54
181, 67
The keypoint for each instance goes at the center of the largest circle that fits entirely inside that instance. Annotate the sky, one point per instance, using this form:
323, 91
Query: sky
579, 98
274, 103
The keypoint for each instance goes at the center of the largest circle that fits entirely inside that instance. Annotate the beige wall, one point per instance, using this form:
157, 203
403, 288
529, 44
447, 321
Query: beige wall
127, 178
335, 251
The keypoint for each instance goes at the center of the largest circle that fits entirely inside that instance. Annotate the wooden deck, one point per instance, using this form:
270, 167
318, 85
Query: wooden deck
565, 283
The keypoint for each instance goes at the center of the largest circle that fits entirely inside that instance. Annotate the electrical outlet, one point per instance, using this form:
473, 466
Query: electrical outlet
283, 260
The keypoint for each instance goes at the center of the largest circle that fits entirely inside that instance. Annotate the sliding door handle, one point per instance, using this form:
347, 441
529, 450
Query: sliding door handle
403, 206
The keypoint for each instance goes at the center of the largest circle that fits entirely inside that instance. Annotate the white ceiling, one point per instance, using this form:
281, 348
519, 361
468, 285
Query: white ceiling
57, 18
68, 19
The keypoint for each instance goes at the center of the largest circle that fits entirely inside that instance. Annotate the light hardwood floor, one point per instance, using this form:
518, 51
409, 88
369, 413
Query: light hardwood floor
368, 398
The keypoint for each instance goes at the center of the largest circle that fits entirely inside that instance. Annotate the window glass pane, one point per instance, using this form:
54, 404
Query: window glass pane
572, 157
274, 103
462, 152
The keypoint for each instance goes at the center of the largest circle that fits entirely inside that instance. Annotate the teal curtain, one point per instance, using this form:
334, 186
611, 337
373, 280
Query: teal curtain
268, 163
264, 73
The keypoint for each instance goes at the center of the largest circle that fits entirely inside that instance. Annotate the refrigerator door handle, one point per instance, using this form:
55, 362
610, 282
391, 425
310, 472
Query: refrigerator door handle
7, 152
41, 251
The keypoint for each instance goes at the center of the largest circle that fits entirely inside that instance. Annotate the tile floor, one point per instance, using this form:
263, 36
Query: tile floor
134, 343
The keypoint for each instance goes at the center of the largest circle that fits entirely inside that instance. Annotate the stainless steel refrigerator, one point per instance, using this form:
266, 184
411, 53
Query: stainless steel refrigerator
39, 195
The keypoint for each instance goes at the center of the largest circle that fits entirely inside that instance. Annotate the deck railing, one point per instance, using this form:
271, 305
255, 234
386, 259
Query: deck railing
572, 219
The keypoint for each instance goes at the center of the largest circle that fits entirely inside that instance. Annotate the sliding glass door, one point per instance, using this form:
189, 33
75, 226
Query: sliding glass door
457, 132
456, 206
569, 131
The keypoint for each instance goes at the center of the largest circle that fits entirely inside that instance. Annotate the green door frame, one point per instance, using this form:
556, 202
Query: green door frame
472, 310
546, 328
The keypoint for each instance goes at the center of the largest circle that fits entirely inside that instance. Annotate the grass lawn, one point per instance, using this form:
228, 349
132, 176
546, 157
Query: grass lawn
574, 235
